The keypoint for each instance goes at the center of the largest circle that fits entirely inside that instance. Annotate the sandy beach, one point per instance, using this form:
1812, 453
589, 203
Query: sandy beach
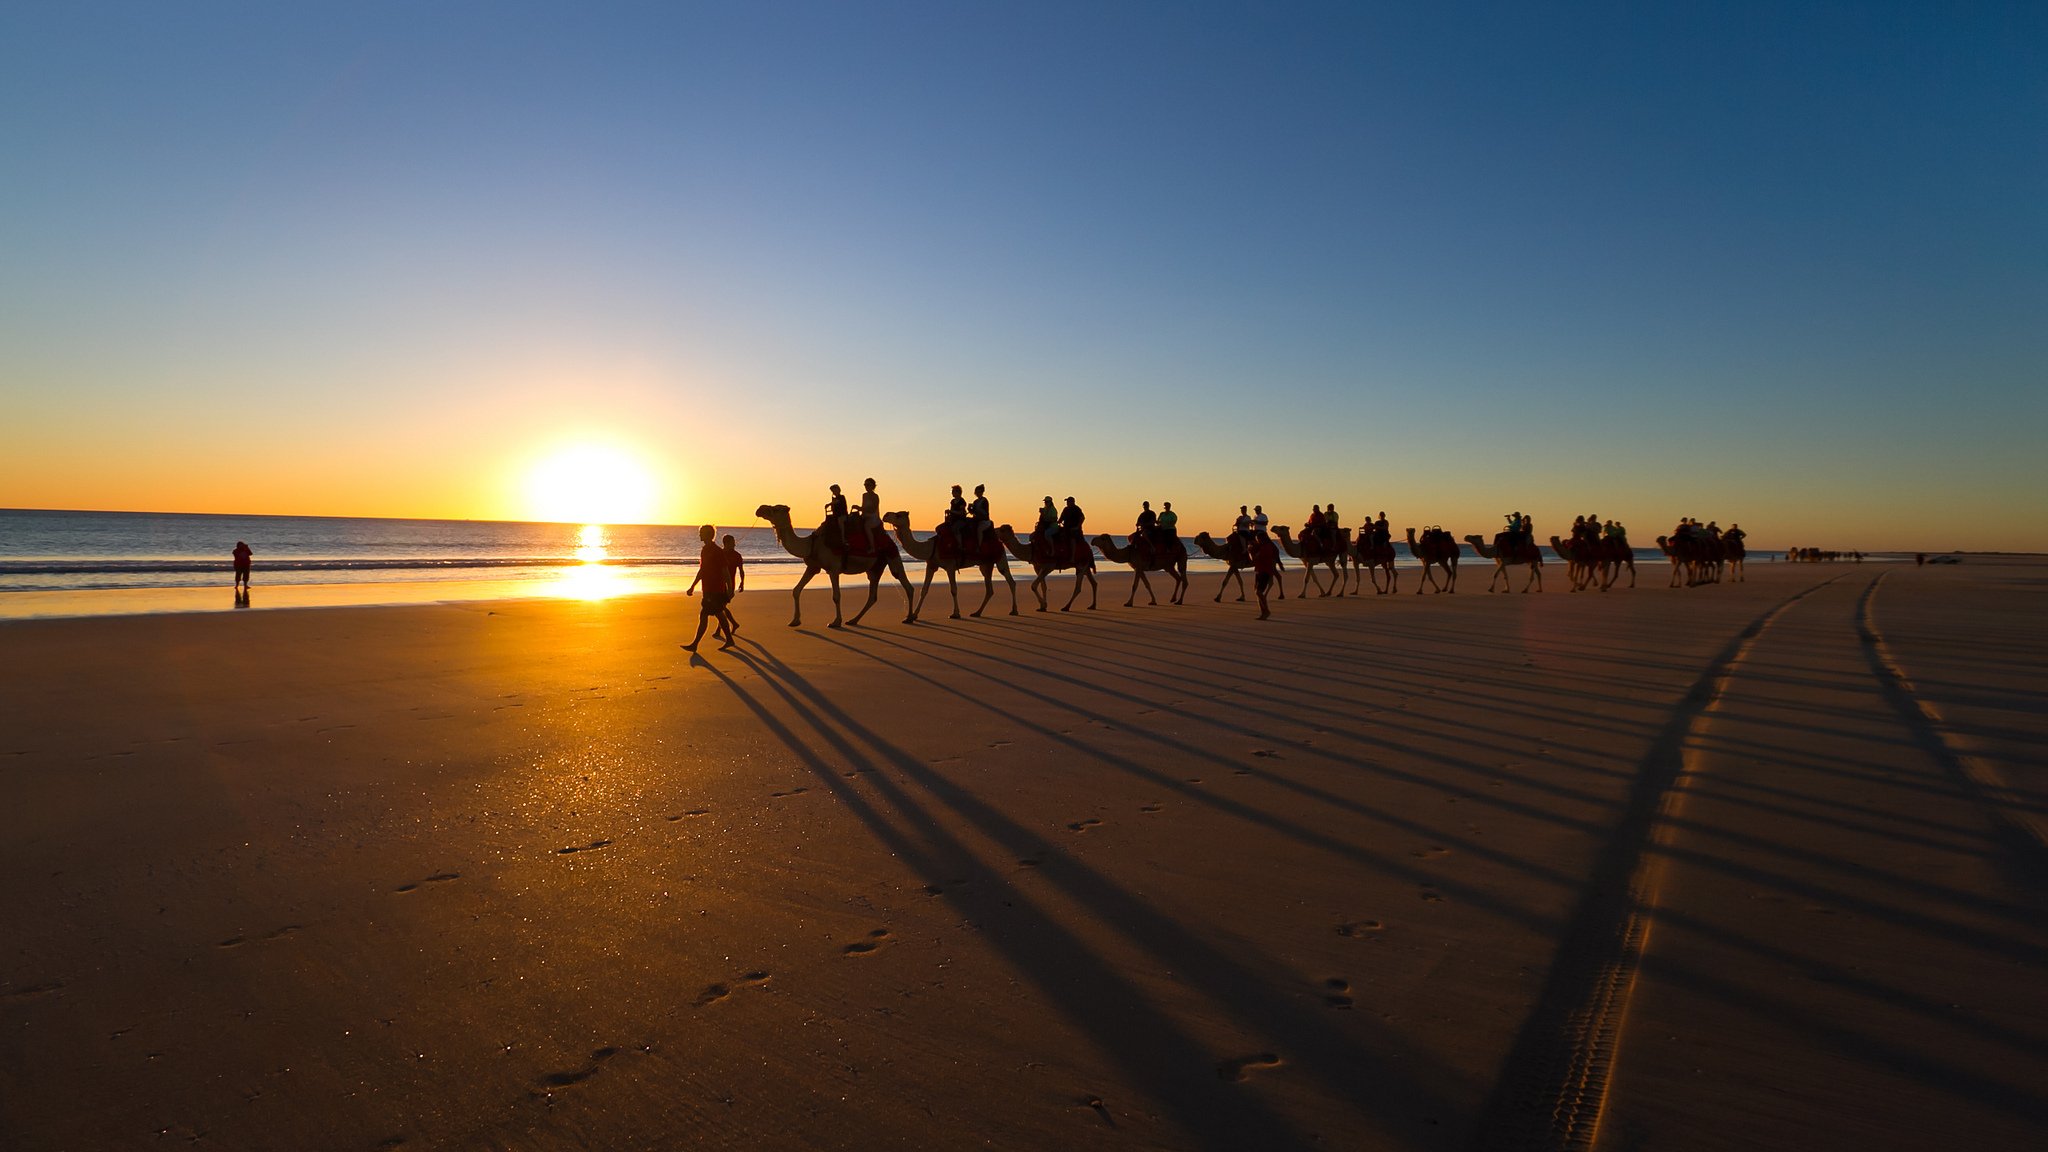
1751, 865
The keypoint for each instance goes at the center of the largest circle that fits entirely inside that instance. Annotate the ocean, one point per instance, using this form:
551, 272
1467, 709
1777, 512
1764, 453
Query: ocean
55, 563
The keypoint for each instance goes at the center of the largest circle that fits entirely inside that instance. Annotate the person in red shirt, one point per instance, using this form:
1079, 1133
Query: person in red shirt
1265, 568
713, 570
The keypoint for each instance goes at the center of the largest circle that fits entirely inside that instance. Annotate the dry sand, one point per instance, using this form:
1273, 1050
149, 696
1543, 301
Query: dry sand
1756, 865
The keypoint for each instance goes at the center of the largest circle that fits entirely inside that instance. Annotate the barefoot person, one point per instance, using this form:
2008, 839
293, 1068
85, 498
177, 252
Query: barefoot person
717, 591
242, 555
1265, 567
736, 580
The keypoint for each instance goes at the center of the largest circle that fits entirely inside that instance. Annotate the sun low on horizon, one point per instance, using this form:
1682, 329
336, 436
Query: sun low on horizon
591, 482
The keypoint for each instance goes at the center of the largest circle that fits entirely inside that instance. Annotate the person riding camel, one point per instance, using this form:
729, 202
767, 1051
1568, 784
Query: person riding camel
1044, 534
1514, 528
835, 516
1332, 530
1142, 535
1382, 532
1259, 520
1243, 527
977, 518
1072, 521
1169, 526
871, 514
955, 523
1313, 529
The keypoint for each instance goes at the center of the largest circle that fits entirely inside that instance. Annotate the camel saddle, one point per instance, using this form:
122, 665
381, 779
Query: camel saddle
1056, 548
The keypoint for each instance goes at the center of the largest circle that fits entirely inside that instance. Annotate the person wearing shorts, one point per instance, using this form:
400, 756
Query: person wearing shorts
711, 571
1265, 568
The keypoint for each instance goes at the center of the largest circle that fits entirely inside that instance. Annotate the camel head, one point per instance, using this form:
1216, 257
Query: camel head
1280, 530
1411, 539
897, 520
773, 513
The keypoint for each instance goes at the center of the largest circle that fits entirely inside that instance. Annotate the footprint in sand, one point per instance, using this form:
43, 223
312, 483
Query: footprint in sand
1000, 744
1236, 1070
1430, 852
791, 792
577, 1075
691, 812
1083, 825
1339, 994
436, 878
593, 846
1266, 754
875, 940
1432, 896
1153, 807
1359, 928
273, 934
715, 992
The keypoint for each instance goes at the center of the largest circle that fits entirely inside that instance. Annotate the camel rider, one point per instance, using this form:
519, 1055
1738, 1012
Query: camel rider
1579, 530
1382, 534
1333, 530
1243, 528
956, 518
977, 517
1259, 520
1312, 531
1072, 520
1147, 520
871, 514
1734, 534
1169, 526
835, 515
1047, 528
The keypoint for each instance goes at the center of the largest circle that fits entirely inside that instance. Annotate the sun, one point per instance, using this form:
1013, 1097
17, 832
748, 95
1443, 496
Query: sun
591, 484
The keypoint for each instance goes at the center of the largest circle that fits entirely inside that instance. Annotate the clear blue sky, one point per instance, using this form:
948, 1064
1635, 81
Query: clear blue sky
1785, 264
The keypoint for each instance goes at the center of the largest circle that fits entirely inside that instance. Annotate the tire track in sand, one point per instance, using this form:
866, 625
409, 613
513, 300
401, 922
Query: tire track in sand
1552, 1087
2019, 824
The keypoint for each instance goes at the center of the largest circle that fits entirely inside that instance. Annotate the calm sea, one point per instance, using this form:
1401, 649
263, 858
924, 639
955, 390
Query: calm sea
76, 551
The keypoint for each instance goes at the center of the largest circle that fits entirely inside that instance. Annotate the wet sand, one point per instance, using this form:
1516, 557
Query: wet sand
1756, 865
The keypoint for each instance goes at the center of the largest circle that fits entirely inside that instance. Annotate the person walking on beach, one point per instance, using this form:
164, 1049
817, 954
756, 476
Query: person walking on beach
711, 570
1265, 569
736, 580
242, 555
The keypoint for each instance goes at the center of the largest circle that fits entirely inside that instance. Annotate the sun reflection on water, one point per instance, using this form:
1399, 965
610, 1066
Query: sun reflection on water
592, 579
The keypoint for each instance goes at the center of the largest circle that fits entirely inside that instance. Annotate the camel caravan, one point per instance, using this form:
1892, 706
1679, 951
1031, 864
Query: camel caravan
869, 543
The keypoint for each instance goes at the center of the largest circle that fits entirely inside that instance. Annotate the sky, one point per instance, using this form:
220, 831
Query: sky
1777, 264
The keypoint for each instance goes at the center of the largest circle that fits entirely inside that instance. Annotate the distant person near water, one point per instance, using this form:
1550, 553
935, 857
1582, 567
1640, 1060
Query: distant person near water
716, 570
242, 555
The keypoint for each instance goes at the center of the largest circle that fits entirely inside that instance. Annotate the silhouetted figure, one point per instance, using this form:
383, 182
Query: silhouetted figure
1260, 521
977, 518
1169, 526
242, 556
1072, 521
956, 518
835, 515
1265, 569
871, 515
711, 571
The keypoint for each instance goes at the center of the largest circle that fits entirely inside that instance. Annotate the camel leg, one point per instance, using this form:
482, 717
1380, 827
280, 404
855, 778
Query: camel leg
1180, 587
925, 592
1079, 575
988, 584
874, 593
1038, 590
909, 601
1012, 582
796, 597
1137, 578
836, 621
953, 588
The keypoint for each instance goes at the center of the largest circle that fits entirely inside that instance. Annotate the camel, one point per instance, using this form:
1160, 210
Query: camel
1696, 559
1233, 553
1143, 560
1369, 555
1583, 562
1310, 552
819, 555
1503, 553
1438, 548
943, 553
1731, 544
1047, 560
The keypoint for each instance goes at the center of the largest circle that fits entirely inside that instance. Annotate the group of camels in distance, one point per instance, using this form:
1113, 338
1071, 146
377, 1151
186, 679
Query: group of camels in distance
1589, 563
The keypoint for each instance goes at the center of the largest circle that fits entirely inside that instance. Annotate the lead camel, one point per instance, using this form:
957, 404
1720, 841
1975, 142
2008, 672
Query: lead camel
820, 555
